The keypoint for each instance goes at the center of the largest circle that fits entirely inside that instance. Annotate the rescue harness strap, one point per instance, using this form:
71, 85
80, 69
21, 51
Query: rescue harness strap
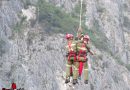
82, 54
71, 52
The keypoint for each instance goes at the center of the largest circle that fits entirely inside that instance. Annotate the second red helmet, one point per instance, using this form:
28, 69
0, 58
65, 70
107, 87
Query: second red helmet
86, 37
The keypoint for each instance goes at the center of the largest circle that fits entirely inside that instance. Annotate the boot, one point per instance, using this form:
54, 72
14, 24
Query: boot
79, 77
75, 81
67, 81
86, 81
71, 74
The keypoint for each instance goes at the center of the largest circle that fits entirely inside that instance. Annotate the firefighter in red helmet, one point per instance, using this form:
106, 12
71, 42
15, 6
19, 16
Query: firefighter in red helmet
71, 59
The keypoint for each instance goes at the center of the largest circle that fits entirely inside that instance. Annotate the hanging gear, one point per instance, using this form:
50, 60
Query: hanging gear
79, 33
80, 36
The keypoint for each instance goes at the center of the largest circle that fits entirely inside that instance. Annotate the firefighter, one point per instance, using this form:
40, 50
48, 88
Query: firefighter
82, 49
71, 59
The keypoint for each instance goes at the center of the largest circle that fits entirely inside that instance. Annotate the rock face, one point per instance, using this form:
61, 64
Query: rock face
36, 60
9, 15
110, 16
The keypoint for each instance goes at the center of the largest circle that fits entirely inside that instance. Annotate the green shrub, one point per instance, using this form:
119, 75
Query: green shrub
56, 20
120, 62
17, 28
26, 3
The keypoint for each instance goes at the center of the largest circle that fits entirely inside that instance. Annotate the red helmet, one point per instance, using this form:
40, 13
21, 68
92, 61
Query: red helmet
68, 36
86, 38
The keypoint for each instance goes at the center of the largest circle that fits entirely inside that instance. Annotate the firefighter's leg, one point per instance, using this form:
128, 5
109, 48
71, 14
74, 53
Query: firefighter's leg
68, 66
75, 72
71, 71
86, 72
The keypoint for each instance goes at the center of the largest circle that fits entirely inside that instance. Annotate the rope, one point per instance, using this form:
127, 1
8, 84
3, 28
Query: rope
81, 6
80, 18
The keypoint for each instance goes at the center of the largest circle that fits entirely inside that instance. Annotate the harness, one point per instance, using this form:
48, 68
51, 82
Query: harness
82, 53
71, 52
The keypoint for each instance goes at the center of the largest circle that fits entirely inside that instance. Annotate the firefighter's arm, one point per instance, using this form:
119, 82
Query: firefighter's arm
90, 51
88, 48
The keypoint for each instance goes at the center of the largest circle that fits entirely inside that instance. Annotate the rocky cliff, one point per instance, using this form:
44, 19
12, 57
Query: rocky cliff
35, 60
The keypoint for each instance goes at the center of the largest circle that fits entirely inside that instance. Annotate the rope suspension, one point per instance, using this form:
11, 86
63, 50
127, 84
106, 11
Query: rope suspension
80, 20
79, 31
